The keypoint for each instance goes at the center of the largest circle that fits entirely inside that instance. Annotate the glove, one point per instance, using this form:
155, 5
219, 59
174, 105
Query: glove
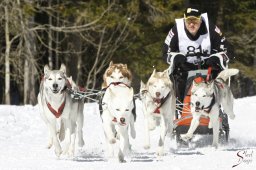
221, 59
175, 59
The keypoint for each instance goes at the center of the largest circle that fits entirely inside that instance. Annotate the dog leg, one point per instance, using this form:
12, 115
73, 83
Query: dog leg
124, 143
146, 129
216, 125
132, 128
109, 132
53, 131
50, 139
80, 124
71, 150
68, 131
194, 124
164, 127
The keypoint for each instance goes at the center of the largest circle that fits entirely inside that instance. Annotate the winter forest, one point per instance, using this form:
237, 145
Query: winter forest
86, 35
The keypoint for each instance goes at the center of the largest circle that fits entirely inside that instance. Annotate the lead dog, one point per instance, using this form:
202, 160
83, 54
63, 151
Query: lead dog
119, 73
206, 97
158, 103
117, 116
57, 108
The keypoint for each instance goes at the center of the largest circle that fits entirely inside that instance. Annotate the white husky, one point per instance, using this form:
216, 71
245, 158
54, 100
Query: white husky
206, 99
158, 99
57, 108
117, 107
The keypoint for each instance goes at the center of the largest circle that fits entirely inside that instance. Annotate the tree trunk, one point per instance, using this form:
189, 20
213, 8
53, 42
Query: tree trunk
50, 44
7, 58
26, 82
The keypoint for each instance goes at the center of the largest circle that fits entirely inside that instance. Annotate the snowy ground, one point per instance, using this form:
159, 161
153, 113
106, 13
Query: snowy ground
23, 144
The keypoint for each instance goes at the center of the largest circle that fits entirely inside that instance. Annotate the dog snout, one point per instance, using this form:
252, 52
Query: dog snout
197, 103
158, 94
122, 120
55, 85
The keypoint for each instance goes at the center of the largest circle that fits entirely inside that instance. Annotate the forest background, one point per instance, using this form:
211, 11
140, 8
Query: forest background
86, 35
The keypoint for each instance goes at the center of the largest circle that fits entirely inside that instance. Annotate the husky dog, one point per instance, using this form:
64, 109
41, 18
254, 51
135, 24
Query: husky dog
117, 104
206, 97
117, 73
57, 108
158, 100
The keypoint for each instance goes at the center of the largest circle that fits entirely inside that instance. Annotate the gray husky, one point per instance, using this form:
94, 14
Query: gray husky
60, 112
206, 97
158, 104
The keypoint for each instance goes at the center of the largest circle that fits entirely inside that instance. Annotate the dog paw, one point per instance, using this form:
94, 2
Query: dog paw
146, 147
81, 143
215, 145
49, 145
58, 152
185, 137
112, 141
232, 116
160, 151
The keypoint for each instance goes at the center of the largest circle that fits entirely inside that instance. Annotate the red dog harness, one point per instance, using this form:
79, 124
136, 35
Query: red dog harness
58, 113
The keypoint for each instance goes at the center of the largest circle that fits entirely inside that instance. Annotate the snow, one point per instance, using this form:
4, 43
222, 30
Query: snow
23, 139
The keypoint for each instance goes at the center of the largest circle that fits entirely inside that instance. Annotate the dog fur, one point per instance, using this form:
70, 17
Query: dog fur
116, 117
202, 95
117, 73
159, 87
53, 91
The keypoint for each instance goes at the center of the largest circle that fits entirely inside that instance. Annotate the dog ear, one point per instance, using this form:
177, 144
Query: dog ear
131, 93
111, 63
63, 68
210, 84
46, 69
153, 74
142, 85
125, 66
166, 73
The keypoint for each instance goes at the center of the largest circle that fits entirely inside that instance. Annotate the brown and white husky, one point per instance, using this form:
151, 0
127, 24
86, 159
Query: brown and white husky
117, 73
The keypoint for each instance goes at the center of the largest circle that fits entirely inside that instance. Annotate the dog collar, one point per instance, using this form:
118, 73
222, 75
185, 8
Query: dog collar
161, 102
58, 113
209, 108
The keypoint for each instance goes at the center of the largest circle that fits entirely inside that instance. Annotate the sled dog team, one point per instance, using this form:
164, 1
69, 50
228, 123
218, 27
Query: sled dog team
64, 118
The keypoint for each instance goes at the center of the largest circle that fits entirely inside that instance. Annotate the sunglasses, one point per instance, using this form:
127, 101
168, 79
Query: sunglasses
194, 20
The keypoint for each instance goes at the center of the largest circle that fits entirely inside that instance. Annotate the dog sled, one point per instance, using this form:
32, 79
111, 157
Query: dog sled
183, 115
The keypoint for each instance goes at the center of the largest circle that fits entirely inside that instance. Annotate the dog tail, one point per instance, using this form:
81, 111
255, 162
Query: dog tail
225, 74
62, 131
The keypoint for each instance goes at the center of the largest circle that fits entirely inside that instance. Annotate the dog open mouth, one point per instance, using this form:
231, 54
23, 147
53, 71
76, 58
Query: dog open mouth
55, 91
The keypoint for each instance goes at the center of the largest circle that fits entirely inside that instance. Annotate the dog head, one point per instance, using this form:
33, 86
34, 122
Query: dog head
201, 95
117, 73
54, 80
121, 103
159, 84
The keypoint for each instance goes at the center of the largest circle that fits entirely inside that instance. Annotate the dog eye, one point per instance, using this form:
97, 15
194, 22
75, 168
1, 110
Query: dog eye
121, 77
117, 109
60, 78
204, 95
112, 77
126, 110
49, 78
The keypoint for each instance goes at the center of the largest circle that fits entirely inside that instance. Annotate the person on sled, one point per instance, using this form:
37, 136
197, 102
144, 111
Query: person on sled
192, 42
